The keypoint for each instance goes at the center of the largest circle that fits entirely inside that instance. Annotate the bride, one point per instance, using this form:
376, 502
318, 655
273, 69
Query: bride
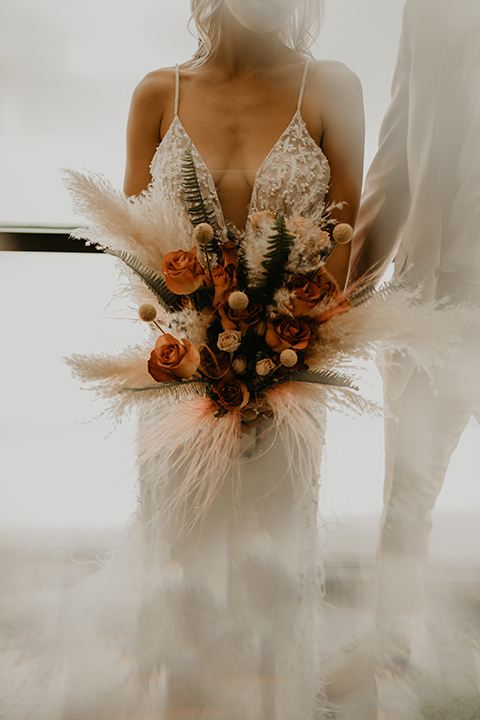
270, 130
218, 617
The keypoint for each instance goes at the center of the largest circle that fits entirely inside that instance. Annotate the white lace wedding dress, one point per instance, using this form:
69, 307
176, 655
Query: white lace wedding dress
219, 621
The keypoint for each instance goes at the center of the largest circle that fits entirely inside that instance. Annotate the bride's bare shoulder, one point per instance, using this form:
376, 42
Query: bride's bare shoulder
156, 90
335, 76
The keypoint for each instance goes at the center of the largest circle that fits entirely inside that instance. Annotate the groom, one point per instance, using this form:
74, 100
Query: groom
422, 204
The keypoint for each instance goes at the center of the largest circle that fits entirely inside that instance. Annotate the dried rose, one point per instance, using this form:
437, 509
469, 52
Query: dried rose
305, 295
183, 273
239, 365
229, 253
284, 333
172, 359
214, 363
232, 394
244, 320
229, 341
224, 281
264, 367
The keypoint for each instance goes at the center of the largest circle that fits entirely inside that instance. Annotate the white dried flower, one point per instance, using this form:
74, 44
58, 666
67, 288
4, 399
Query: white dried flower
264, 367
288, 357
342, 233
239, 365
147, 312
238, 301
260, 328
203, 233
229, 341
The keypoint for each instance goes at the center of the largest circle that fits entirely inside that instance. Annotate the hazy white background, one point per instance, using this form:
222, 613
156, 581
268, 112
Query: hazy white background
67, 72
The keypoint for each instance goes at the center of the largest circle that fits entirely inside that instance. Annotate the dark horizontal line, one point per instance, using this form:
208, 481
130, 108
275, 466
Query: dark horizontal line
42, 240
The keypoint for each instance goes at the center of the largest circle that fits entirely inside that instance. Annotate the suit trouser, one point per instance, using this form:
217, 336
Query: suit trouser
428, 420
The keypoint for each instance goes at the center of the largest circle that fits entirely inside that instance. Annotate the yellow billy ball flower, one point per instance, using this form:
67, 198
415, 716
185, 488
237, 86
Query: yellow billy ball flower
147, 312
203, 234
288, 357
342, 233
238, 301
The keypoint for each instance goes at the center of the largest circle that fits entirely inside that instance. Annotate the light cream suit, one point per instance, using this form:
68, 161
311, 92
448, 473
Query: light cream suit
422, 204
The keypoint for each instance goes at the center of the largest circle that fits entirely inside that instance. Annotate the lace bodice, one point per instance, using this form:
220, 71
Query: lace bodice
294, 176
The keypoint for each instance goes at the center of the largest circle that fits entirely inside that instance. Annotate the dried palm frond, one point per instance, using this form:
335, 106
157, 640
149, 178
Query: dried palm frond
156, 284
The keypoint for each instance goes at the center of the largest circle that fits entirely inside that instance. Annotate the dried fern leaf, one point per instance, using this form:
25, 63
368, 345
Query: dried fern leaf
193, 195
275, 260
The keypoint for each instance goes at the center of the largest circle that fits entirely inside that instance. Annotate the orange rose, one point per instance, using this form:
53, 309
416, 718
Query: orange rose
338, 302
183, 273
284, 333
326, 282
232, 394
305, 296
172, 359
224, 281
229, 253
215, 364
243, 320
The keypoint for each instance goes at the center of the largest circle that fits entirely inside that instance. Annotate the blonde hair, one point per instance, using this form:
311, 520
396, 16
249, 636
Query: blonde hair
299, 33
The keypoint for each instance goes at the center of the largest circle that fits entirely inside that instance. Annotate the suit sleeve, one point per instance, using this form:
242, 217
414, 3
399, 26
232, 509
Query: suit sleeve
386, 198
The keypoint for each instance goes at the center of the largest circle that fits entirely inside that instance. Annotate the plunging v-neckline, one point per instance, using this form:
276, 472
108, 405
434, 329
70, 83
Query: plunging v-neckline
212, 187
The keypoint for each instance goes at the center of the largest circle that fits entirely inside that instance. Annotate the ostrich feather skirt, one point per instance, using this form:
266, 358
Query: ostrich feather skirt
250, 328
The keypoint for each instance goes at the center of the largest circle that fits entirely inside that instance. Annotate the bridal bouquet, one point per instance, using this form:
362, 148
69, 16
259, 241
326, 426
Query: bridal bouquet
261, 300
247, 327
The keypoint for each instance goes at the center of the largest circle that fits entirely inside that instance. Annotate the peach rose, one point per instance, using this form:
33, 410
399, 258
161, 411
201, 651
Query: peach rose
172, 360
264, 367
262, 220
215, 364
224, 281
306, 295
229, 340
183, 273
232, 394
284, 333
304, 227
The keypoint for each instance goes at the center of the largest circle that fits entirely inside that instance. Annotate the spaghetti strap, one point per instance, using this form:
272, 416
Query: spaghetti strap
302, 87
177, 88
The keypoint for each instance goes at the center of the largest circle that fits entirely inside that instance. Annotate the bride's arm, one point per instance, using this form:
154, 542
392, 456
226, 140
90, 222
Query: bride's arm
343, 129
147, 110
